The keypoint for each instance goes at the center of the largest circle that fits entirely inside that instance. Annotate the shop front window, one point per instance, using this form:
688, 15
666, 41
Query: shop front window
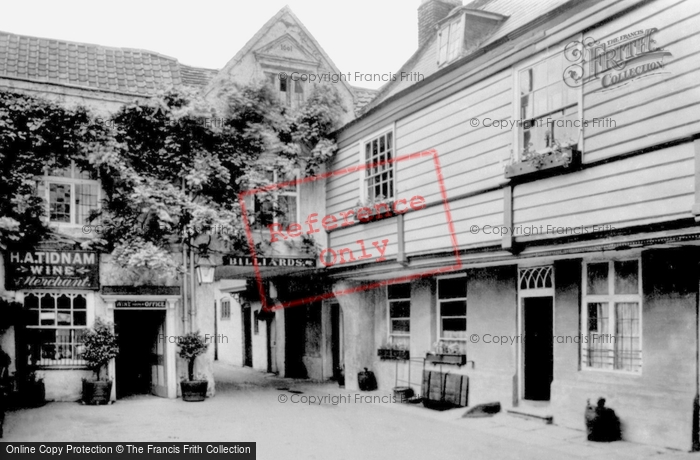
56, 324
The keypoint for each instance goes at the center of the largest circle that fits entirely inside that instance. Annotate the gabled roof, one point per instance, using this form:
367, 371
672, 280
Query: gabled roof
262, 32
123, 70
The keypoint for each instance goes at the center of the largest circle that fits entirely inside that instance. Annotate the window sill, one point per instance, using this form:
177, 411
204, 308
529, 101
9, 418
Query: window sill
547, 163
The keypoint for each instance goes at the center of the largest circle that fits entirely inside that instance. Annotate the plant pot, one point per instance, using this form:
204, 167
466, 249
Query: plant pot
446, 358
194, 390
388, 353
96, 392
34, 394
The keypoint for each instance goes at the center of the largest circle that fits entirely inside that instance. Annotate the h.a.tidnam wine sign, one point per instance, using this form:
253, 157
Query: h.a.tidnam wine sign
44, 269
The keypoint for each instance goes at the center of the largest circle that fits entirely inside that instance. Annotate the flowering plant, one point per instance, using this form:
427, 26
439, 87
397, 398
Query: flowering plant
446, 348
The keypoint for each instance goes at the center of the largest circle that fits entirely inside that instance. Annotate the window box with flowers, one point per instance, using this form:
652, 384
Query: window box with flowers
550, 160
446, 353
374, 210
393, 351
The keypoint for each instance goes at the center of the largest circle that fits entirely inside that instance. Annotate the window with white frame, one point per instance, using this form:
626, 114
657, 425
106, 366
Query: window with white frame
452, 312
70, 194
379, 179
450, 40
56, 323
289, 91
278, 206
612, 315
399, 300
547, 108
225, 309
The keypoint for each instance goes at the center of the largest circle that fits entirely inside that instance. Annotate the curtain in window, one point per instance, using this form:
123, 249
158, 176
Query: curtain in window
627, 343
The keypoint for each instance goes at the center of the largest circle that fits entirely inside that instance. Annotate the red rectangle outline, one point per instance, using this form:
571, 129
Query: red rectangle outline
365, 287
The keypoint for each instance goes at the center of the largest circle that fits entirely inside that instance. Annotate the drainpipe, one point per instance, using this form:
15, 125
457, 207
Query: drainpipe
193, 309
184, 278
696, 401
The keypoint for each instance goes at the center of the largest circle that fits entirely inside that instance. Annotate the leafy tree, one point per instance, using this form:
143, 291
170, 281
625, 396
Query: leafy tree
36, 134
175, 167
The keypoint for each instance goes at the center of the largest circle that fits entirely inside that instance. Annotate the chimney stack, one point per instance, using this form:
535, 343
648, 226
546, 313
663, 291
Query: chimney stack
430, 12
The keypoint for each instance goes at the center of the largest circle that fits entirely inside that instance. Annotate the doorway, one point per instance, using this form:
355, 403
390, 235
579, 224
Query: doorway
295, 342
538, 349
272, 345
140, 365
336, 341
247, 339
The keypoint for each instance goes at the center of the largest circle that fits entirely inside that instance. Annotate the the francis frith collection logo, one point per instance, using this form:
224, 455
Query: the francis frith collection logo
616, 62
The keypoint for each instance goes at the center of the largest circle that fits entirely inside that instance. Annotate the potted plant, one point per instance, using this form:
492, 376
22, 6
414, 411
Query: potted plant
393, 351
446, 353
33, 390
99, 348
192, 345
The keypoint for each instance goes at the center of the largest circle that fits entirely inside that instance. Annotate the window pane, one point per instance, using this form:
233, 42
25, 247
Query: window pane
47, 302
399, 291
64, 318
539, 75
79, 303
64, 302
627, 277
525, 81
85, 201
48, 318
455, 325
59, 202
597, 274
452, 288
597, 353
79, 318
400, 326
628, 349
400, 309
454, 308
31, 301
288, 209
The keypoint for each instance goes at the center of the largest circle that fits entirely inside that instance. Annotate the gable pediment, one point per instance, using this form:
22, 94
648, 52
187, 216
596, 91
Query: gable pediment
286, 52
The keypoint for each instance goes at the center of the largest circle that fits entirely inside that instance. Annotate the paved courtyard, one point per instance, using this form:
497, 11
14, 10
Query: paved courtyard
247, 407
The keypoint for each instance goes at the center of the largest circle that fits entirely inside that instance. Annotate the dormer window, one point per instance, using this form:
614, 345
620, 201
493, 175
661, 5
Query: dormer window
450, 40
463, 31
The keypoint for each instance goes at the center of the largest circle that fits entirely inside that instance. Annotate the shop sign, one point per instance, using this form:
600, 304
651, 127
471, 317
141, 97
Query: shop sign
45, 269
247, 261
140, 304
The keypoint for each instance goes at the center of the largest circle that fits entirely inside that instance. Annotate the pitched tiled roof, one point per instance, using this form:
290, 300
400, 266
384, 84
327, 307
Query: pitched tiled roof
196, 76
363, 96
93, 66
